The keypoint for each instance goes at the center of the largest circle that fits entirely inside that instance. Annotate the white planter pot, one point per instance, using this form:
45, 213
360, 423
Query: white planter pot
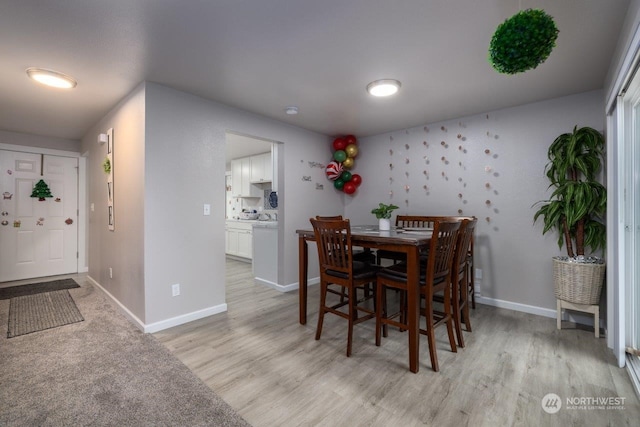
384, 224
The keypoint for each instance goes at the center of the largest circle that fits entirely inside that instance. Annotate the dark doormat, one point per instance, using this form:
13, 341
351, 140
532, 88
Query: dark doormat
37, 312
36, 288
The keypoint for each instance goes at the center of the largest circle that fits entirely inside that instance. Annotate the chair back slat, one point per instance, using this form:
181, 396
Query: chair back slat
333, 238
441, 250
463, 246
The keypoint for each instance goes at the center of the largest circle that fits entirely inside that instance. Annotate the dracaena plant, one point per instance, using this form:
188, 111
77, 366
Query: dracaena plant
578, 203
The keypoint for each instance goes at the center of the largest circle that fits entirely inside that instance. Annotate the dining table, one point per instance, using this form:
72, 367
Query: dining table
408, 241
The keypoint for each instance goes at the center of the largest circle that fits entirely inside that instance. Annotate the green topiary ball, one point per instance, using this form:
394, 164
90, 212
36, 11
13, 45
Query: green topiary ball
523, 42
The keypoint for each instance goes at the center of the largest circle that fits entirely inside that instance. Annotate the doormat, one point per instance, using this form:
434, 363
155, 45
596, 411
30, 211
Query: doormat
37, 312
36, 288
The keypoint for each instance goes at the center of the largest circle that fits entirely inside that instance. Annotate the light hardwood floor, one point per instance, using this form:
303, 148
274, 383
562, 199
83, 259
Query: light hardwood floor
268, 367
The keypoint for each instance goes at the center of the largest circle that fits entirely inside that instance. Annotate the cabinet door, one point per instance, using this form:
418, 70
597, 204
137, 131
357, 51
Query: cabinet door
236, 178
232, 241
267, 167
257, 168
245, 244
246, 176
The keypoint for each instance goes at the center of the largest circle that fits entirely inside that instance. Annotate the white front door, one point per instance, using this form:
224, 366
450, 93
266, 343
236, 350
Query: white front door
37, 238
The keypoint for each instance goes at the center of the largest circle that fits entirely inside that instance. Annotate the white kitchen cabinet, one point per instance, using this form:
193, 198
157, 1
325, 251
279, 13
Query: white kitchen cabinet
261, 168
239, 239
241, 179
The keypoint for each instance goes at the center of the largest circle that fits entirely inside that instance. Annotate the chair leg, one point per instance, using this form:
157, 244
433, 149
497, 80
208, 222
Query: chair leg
321, 311
466, 318
456, 313
381, 312
352, 316
449, 319
472, 286
431, 336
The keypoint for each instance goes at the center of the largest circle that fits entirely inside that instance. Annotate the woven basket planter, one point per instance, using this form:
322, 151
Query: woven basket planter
578, 283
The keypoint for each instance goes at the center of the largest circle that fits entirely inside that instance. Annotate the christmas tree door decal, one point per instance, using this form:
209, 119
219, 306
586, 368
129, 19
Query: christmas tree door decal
41, 190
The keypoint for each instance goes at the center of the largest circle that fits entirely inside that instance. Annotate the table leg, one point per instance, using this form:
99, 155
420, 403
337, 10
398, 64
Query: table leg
413, 312
303, 255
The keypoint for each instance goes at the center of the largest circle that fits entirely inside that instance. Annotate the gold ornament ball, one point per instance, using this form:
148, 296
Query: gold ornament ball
351, 150
348, 163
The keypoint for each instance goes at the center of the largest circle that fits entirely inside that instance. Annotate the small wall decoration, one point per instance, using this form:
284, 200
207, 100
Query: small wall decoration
108, 169
57, 199
522, 42
5, 222
17, 223
6, 195
40, 221
345, 152
106, 165
41, 191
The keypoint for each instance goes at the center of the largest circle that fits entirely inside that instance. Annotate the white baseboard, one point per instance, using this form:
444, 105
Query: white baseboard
295, 285
568, 315
277, 286
531, 309
163, 324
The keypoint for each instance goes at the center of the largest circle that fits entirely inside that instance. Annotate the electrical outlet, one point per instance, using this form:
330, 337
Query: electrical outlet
175, 290
478, 273
110, 273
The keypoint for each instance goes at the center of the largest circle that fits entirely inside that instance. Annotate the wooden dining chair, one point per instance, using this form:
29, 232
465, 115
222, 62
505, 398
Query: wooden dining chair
435, 277
459, 280
403, 221
338, 269
360, 254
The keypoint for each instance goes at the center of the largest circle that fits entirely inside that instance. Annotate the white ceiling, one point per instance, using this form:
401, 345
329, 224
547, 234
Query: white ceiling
263, 56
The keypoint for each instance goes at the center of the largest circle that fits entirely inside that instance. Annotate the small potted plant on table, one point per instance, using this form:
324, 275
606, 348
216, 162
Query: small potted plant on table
383, 213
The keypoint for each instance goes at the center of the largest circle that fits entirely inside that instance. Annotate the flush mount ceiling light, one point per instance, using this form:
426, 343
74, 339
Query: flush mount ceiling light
51, 78
384, 87
291, 110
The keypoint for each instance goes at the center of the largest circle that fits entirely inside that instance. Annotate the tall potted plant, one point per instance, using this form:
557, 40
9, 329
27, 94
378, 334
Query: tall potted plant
575, 210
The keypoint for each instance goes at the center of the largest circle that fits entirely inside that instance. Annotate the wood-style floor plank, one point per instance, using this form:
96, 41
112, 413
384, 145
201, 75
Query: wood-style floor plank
267, 366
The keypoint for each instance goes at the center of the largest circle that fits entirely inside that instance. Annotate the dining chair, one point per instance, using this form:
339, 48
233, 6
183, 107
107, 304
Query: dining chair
435, 277
339, 269
459, 280
364, 255
403, 221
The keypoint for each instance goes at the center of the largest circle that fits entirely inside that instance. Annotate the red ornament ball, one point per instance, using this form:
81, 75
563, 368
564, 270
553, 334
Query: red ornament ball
339, 144
350, 139
334, 170
356, 179
349, 187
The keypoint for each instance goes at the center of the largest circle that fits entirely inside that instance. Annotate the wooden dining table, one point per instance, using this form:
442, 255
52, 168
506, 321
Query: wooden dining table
398, 240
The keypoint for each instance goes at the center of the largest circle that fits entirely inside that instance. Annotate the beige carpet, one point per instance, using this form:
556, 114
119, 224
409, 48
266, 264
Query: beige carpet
100, 372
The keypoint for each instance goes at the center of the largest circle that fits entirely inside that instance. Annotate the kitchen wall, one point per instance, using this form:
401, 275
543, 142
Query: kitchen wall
489, 165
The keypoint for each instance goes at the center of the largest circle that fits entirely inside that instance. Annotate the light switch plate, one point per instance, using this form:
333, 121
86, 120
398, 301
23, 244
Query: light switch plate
207, 209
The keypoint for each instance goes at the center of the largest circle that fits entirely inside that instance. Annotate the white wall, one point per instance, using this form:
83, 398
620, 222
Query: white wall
170, 148
48, 142
122, 249
514, 256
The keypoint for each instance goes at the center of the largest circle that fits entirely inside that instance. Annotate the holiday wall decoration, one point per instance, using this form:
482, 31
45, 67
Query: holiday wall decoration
41, 191
109, 171
338, 170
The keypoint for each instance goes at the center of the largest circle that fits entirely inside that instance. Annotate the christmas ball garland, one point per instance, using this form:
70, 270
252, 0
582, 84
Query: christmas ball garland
523, 41
345, 150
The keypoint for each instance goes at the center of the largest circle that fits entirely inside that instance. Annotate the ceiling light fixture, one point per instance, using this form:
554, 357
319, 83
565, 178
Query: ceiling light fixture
291, 110
384, 87
51, 78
